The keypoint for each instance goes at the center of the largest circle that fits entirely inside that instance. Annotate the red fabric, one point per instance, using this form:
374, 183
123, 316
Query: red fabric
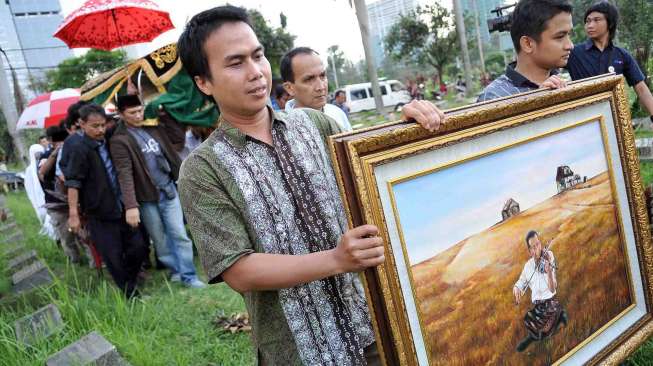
108, 24
41, 98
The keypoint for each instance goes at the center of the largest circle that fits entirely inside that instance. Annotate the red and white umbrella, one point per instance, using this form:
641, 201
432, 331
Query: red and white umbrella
47, 109
107, 24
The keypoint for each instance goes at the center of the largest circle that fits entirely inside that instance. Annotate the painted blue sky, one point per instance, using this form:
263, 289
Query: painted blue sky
440, 209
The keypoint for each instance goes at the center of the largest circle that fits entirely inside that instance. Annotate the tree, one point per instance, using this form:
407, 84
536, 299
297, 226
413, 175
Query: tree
75, 71
337, 61
277, 41
635, 29
425, 35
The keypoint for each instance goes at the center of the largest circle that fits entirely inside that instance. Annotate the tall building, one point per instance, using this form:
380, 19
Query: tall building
484, 7
383, 14
26, 29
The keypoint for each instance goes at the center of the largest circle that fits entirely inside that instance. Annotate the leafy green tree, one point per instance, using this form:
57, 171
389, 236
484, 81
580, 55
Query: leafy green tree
75, 71
425, 35
337, 60
635, 29
276, 41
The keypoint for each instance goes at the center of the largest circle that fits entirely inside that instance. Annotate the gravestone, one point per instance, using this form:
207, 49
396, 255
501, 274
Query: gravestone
644, 148
22, 260
92, 349
15, 237
41, 324
30, 276
10, 251
7, 228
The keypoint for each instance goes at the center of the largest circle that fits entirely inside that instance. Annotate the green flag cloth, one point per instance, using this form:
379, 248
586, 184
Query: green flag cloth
185, 103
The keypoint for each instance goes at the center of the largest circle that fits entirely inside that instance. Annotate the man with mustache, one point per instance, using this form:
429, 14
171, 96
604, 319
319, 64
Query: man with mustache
304, 77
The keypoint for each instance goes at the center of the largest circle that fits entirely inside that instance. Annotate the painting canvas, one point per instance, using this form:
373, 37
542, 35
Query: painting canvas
464, 228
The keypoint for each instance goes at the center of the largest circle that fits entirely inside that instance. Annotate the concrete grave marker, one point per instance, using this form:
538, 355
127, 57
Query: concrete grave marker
33, 275
644, 148
11, 251
21, 260
41, 324
92, 349
7, 227
15, 237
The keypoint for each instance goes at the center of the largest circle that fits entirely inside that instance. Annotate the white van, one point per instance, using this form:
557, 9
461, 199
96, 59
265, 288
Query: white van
360, 97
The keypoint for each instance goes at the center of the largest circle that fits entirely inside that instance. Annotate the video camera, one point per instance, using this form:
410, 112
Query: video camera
502, 22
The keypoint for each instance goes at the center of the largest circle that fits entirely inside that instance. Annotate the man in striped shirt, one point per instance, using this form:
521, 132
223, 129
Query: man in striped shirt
540, 33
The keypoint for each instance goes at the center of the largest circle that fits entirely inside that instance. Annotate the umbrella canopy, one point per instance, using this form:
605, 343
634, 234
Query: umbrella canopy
107, 24
47, 109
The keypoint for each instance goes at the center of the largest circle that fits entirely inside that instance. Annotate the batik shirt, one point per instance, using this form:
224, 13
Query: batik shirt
242, 196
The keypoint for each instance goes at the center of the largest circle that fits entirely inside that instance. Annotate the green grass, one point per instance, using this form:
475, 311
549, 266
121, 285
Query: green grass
641, 133
169, 325
646, 170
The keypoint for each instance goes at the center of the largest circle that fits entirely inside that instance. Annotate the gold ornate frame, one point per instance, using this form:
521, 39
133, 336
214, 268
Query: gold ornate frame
356, 154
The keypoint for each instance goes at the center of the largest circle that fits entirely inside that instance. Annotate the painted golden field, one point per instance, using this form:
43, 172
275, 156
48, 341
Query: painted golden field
465, 293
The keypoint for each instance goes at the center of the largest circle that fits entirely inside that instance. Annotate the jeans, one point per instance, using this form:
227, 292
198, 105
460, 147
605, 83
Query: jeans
164, 221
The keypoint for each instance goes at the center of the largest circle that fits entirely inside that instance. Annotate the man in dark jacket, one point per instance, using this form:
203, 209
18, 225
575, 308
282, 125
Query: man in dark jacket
92, 185
55, 200
148, 167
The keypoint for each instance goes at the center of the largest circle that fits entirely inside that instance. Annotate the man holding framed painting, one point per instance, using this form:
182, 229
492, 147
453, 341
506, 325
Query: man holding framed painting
452, 287
264, 209
540, 33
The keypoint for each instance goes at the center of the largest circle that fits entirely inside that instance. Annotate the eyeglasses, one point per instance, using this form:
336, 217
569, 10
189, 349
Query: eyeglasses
589, 20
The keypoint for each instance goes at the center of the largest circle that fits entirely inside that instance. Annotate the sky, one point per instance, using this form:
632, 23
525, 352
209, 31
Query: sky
440, 209
318, 24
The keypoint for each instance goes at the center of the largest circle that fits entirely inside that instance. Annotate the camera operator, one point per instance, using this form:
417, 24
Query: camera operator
598, 55
540, 33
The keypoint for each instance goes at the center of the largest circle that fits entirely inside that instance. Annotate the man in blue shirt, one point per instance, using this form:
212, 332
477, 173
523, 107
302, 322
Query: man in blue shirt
598, 55
540, 34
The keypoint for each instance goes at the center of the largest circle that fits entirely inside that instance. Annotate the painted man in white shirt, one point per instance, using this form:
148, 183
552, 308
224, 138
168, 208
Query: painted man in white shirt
304, 78
539, 274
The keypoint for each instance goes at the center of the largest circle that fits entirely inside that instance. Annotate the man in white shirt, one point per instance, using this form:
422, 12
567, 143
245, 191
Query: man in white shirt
539, 274
304, 78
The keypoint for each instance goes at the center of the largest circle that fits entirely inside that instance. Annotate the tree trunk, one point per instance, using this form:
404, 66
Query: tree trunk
364, 24
462, 37
478, 37
9, 110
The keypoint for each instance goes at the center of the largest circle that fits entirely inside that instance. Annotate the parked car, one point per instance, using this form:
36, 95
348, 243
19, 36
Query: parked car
361, 98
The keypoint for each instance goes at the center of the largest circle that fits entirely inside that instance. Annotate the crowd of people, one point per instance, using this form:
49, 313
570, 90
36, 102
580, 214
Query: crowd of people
110, 191
259, 193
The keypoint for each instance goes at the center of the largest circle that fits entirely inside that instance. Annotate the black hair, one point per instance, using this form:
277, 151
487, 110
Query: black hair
128, 101
610, 12
279, 91
190, 45
530, 18
73, 113
285, 65
56, 133
531, 234
43, 137
90, 109
338, 92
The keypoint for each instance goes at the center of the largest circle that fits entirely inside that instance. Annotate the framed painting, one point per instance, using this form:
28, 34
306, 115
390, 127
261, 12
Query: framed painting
516, 234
